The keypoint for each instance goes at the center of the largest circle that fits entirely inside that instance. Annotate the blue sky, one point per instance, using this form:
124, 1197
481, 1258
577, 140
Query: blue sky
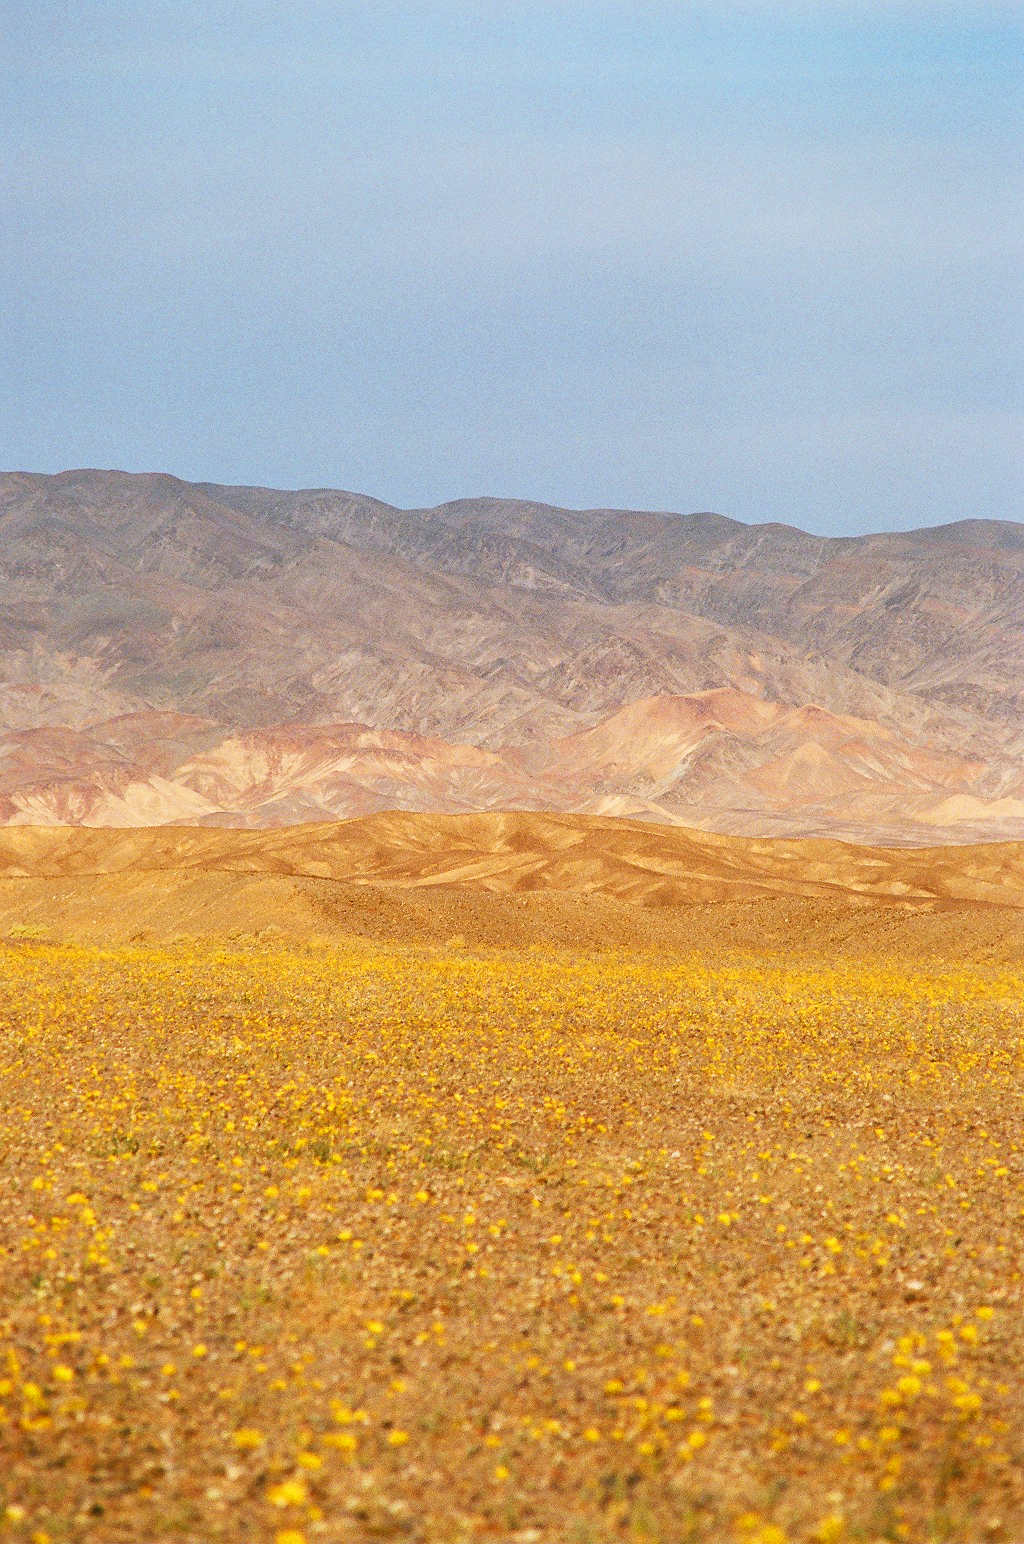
759, 258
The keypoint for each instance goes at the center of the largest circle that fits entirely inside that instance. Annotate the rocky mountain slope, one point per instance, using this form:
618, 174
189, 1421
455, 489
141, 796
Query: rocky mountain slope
171, 652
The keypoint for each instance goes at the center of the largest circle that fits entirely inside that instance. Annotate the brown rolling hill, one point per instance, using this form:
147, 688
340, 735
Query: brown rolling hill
509, 879
195, 654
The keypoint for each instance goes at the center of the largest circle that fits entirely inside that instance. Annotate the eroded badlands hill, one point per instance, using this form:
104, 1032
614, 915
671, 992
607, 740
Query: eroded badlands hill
510, 879
232, 656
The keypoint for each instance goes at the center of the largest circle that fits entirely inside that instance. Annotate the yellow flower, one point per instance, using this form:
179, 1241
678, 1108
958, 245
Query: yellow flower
288, 1493
397, 1438
342, 1440
247, 1437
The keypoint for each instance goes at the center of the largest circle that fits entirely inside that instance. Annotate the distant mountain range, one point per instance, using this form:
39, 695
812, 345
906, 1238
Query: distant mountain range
173, 652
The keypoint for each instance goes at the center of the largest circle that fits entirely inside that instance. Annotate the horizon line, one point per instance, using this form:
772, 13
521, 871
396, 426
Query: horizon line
487, 498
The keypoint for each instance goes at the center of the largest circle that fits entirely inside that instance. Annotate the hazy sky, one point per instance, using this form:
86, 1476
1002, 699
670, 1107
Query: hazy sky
758, 258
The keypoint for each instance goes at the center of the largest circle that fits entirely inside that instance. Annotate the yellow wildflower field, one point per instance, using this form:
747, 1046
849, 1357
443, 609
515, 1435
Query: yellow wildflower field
380, 1242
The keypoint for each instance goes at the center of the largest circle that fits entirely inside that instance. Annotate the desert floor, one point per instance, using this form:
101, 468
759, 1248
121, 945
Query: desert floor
714, 1234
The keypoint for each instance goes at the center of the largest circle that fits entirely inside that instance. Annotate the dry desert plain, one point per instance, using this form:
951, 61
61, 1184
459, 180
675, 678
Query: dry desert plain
509, 1177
